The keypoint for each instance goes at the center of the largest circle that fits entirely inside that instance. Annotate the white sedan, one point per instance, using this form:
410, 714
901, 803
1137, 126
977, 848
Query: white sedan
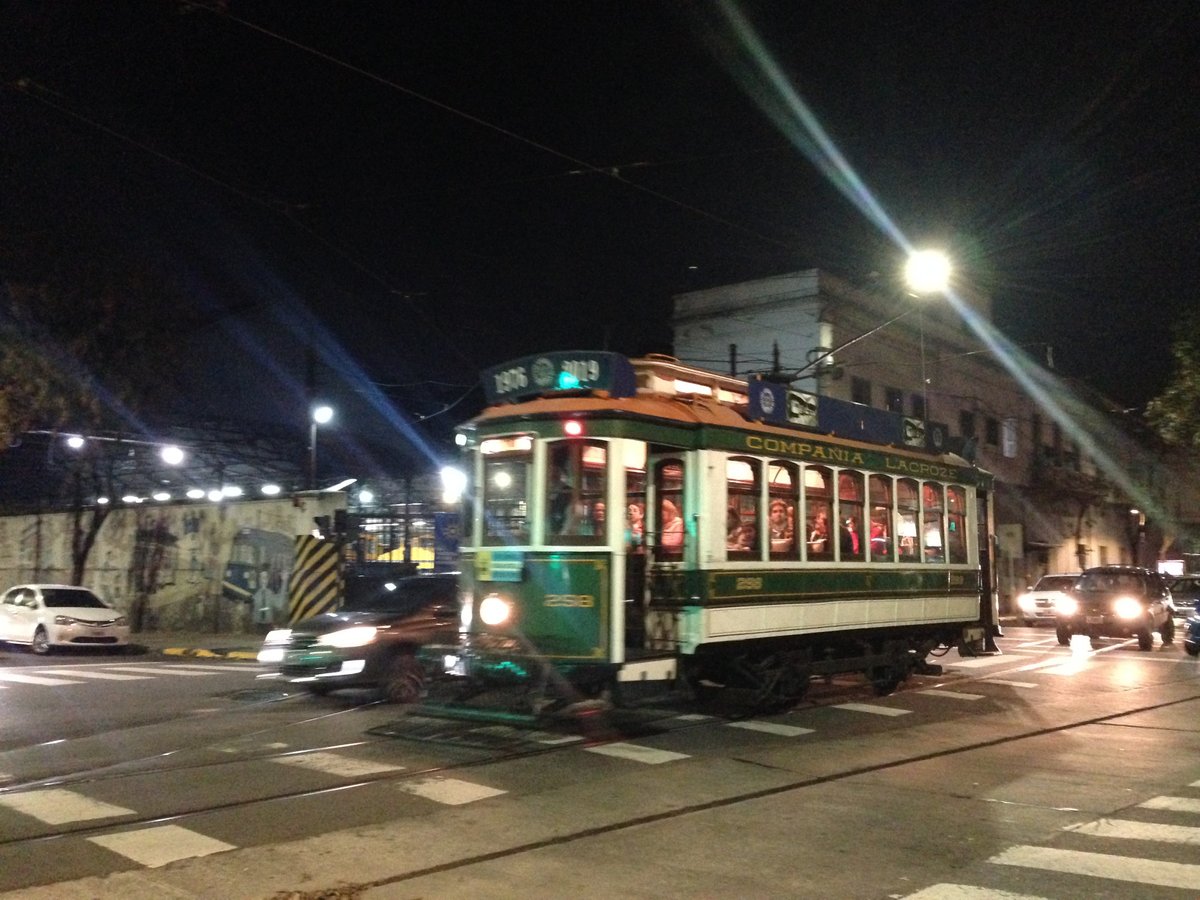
46, 616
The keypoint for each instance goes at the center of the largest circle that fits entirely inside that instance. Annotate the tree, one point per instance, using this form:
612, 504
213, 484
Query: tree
1175, 413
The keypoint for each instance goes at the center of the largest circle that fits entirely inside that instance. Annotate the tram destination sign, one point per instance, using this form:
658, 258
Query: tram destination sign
550, 373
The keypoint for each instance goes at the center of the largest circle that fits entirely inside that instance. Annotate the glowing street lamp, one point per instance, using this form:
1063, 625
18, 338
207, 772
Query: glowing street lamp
926, 272
321, 415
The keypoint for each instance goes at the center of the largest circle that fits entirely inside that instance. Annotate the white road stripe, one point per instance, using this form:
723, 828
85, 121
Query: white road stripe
451, 791
546, 737
57, 806
106, 676
1018, 684
953, 695
978, 662
154, 847
1174, 804
227, 667
35, 679
637, 753
1103, 865
771, 728
966, 892
335, 764
694, 717
160, 670
1139, 831
873, 709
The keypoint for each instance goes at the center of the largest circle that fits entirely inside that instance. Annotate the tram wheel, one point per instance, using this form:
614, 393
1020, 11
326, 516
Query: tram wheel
885, 679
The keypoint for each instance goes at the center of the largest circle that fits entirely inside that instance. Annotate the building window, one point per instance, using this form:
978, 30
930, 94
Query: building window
966, 423
893, 400
991, 432
1009, 439
860, 391
918, 406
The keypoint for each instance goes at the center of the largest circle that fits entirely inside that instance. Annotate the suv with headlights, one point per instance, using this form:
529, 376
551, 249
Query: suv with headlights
1117, 601
372, 641
1037, 603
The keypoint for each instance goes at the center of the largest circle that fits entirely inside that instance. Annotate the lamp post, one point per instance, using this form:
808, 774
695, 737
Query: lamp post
321, 415
926, 272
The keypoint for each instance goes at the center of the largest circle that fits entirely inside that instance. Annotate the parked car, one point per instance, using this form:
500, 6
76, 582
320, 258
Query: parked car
372, 641
1191, 634
1117, 601
46, 616
1037, 603
1186, 591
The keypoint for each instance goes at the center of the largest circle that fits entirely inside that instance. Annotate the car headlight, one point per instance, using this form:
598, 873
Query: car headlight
1127, 608
1066, 606
65, 620
494, 610
1027, 603
277, 636
121, 620
350, 637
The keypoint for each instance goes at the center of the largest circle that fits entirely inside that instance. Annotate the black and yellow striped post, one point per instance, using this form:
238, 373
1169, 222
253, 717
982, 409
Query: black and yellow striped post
316, 583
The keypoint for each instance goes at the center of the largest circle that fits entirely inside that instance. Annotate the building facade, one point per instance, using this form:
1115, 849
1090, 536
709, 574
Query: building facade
1077, 486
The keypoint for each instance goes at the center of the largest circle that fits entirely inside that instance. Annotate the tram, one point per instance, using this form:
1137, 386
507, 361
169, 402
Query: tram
635, 520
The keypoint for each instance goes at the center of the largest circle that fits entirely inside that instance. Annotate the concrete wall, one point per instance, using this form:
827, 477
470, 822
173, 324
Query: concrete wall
204, 567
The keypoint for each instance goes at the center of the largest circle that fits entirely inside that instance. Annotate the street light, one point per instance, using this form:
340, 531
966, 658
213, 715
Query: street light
926, 272
321, 415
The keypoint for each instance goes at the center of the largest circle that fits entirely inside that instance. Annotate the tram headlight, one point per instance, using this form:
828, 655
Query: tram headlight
466, 612
1127, 608
350, 637
1065, 605
494, 610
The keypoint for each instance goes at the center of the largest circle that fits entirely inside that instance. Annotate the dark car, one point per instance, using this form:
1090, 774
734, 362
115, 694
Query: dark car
1186, 591
372, 641
1117, 601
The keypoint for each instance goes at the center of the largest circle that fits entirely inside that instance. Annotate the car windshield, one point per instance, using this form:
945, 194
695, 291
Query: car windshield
402, 595
1055, 582
1112, 581
69, 597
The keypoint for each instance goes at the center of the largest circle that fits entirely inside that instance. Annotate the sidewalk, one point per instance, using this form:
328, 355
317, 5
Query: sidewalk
200, 645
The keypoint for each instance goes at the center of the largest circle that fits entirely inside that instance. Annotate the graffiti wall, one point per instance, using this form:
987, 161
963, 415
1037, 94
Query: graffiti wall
212, 567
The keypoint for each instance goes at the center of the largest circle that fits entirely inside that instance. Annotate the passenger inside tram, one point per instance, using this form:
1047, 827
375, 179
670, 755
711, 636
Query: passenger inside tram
672, 524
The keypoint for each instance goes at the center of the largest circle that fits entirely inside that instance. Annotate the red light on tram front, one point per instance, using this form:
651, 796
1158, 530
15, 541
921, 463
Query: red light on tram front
572, 428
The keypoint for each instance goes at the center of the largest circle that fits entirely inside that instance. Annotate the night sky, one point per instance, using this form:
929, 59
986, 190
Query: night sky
423, 189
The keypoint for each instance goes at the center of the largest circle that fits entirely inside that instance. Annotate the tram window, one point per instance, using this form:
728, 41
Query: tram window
741, 511
907, 516
934, 541
879, 488
669, 526
575, 505
956, 523
782, 479
635, 506
818, 504
504, 499
850, 515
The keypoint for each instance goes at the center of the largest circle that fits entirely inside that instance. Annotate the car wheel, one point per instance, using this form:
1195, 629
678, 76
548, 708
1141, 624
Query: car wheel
1168, 631
1095, 642
405, 680
1192, 649
1145, 639
1064, 635
41, 642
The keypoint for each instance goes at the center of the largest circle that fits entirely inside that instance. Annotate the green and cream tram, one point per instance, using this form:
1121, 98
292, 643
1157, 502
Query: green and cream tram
634, 520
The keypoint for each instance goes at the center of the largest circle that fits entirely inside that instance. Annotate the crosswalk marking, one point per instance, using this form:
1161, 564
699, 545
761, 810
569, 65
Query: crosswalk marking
1139, 831
1102, 865
637, 753
35, 679
966, 892
978, 662
953, 695
1174, 804
160, 670
336, 764
106, 676
450, 791
1017, 684
770, 728
872, 709
155, 847
200, 667
58, 806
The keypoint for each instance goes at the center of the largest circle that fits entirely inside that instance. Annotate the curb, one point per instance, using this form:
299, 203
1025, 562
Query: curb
202, 653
